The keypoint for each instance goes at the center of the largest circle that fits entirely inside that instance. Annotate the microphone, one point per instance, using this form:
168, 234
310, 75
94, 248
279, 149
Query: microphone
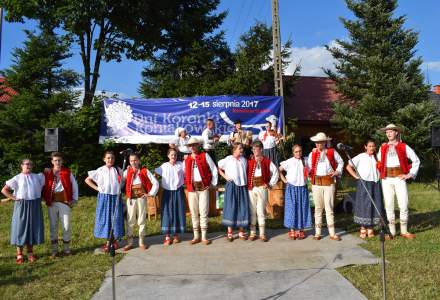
344, 147
127, 151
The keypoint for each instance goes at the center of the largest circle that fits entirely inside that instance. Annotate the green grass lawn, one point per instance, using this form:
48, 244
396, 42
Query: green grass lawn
413, 269
411, 276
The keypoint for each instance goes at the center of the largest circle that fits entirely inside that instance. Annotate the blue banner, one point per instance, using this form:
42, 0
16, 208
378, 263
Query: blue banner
141, 121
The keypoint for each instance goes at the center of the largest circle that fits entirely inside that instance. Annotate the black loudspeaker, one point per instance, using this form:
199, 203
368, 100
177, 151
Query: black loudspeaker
52, 139
435, 136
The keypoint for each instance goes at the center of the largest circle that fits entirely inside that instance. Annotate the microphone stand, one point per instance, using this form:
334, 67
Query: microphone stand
112, 250
383, 226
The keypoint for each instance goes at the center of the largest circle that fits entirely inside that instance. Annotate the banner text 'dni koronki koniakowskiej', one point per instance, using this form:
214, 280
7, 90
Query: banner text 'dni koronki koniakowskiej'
141, 121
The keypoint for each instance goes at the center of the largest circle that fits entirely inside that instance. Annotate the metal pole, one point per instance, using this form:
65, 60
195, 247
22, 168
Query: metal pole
383, 228
1, 26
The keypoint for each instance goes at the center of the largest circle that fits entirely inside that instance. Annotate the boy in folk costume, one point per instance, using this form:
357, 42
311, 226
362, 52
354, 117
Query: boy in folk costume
139, 184
106, 180
210, 139
27, 226
61, 194
394, 170
262, 174
325, 165
241, 136
270, 139
200, 174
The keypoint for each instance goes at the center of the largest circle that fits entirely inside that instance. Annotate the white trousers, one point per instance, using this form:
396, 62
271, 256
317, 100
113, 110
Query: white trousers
324, 198
394, 186
257, 205
136, 213
59, 212
198, 202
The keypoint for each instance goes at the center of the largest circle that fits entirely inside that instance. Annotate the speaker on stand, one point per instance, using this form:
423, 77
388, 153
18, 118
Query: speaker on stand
52, 139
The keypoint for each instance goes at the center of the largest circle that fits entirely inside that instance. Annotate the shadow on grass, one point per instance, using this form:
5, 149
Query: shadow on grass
421, 222
12, 274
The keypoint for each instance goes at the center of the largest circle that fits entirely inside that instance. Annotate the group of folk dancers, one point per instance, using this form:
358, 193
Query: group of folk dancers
248, 177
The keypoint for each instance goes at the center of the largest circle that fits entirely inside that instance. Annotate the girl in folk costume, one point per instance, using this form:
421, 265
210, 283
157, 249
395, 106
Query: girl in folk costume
325, 165
394, 171
139, 184
173, 202
270, 140
61, 194
262, 174
109, 213
236, 204
364, 212
297, 214
200, 174
27, 219
181, 144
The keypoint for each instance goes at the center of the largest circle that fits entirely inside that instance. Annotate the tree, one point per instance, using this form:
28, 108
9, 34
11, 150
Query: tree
106, 30
253, 63
379, 76
194, 60
43, 90
209, 68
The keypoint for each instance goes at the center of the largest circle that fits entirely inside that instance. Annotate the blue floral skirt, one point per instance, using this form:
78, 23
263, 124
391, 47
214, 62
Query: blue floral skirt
108, 209
297, 214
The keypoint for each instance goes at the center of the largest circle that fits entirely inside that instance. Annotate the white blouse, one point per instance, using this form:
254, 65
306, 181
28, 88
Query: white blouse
153, 180
106, 179
27, 186
172, 175
294, 171
235, 169
366, 166
59, 187
268, 142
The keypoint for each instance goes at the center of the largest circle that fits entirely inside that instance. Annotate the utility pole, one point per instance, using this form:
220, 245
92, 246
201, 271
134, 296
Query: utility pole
277, 64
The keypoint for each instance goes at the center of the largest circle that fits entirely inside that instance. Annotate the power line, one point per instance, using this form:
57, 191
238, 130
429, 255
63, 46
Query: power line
238, 20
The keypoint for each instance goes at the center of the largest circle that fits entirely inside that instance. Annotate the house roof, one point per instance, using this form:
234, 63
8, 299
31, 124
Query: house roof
311, 99
6, 93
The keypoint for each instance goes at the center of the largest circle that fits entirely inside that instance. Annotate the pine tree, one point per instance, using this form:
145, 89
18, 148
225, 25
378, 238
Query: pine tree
43, 88
379, 76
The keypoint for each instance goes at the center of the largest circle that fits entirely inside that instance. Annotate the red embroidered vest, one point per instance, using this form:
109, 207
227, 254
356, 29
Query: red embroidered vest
143, 176
330, 153
48, 188
265, 171
401, 155
204, 170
